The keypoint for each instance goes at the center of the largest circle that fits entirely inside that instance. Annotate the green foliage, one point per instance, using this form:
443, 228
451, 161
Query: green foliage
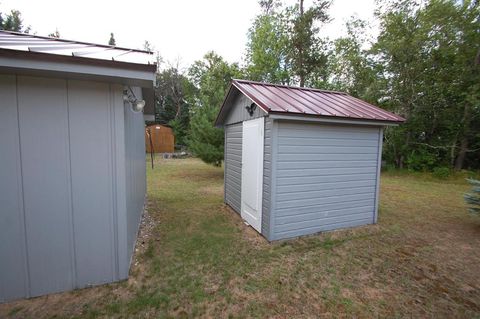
426, 69
284, 47
350, 67
267, 50
473, 198
305, 48
441, 172
13, 22
211, 76
421, 160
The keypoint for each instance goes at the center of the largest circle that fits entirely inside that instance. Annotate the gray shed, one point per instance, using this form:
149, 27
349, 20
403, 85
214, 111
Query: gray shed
72, 154
300, 161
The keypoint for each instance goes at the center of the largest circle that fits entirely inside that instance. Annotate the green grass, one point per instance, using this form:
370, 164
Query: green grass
421, 260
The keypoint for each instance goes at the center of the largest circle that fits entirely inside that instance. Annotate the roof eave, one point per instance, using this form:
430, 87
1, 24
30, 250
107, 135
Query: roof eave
331, 119
76, 60
41, 64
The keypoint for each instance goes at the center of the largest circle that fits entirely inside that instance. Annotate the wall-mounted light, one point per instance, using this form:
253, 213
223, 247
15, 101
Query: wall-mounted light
251, 108
129, 96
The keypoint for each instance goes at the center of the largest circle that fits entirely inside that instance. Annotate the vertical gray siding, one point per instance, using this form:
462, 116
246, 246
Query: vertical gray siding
267, 173
238, 113
135, 171
325, 177
233, 166
233, 170
13, 265
70, 152
90, 129
43, 118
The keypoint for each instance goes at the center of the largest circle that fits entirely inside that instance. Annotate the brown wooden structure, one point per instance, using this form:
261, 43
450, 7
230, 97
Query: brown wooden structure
162, 139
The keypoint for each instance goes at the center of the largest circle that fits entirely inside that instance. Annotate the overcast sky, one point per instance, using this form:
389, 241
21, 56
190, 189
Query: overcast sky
180, 29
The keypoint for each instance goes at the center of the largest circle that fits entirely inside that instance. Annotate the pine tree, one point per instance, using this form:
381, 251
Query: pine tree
112, 40
306, 52
13, 22
211, 76
473, 199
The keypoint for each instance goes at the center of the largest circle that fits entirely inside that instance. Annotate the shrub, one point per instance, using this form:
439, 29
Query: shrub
473, 199
441, 172
421, 160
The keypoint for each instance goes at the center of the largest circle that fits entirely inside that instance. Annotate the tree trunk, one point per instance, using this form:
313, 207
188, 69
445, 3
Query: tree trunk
461, 154
466, 120
300, 52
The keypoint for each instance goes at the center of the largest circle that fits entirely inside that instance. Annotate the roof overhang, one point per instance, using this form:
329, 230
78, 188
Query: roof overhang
330, 119
42, 64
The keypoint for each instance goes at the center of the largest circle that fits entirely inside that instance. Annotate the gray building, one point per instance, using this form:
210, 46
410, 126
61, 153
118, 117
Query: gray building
300, 161
72, 155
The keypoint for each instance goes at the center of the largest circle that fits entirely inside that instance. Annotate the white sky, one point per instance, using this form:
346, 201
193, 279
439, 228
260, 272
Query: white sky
181, 30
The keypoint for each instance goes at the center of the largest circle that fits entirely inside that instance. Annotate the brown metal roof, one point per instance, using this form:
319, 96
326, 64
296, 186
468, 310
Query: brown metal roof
22, 42
274, 98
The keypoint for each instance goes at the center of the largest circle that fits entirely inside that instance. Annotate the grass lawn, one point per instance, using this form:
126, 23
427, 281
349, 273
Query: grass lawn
195, 257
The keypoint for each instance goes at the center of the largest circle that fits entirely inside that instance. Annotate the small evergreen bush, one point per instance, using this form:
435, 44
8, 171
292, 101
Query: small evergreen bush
473, 198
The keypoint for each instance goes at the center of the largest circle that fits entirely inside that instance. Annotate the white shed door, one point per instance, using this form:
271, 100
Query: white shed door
252, 172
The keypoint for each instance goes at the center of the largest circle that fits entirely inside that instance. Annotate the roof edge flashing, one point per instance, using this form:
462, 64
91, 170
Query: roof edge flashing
330, 119
49, 67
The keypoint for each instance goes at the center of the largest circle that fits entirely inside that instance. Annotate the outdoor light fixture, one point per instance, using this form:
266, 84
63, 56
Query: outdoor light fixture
250, 109
129, 96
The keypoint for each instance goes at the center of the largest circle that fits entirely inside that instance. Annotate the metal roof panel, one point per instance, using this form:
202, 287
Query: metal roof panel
25, 42
308, 101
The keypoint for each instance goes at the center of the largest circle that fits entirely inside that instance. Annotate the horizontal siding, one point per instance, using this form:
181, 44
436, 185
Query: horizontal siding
233, 166
326, 157
325, 177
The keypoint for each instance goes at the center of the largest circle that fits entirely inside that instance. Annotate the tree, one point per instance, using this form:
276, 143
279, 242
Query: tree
426, 65
350, 68
211, 76
267, 46
147, 46
13, 22
55, 34
306, 50
112, 41
173, 91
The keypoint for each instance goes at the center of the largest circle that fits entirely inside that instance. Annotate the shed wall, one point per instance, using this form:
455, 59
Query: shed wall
233, 170
63, 223
325, 177
267, 175
136, 175
163, 139
233, 166
233, 148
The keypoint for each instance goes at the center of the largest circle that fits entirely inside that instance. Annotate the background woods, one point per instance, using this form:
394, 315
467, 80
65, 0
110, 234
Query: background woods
424, 65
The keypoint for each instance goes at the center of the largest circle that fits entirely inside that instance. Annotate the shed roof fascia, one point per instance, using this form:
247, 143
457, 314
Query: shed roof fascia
332, 120
39, 64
